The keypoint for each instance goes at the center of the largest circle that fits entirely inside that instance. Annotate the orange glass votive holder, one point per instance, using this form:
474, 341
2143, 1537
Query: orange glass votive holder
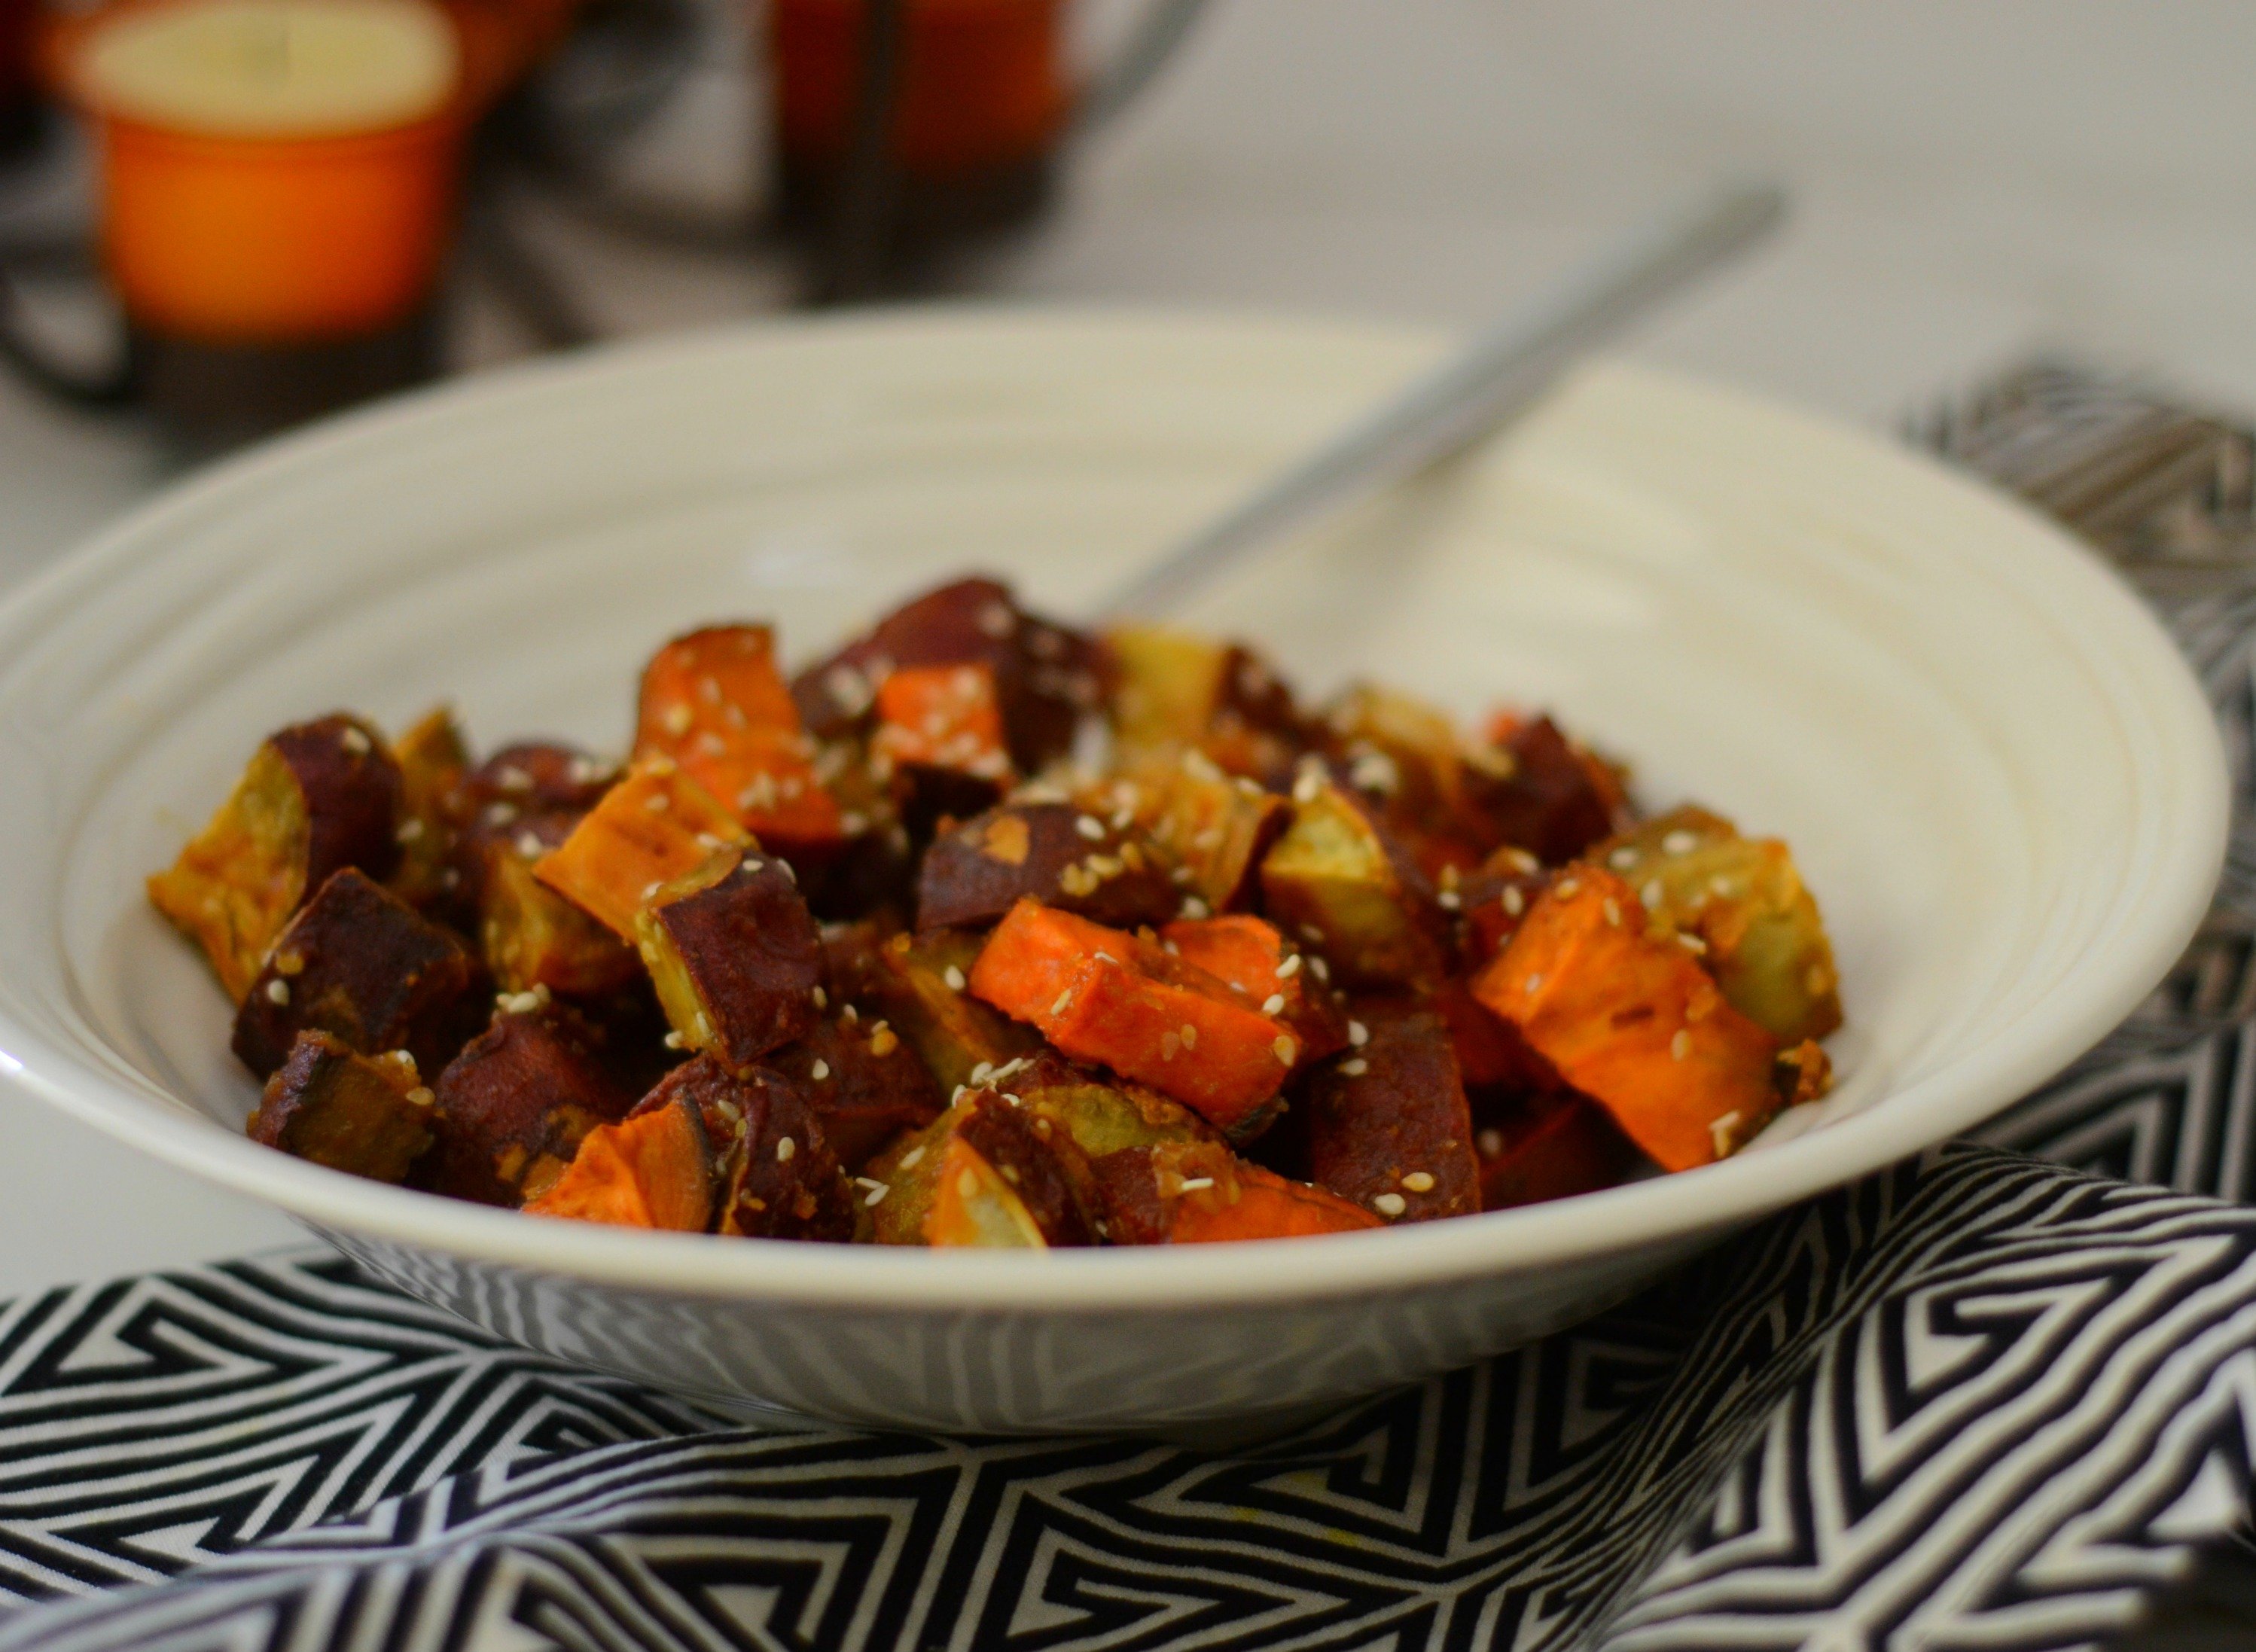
982, 93
272, 240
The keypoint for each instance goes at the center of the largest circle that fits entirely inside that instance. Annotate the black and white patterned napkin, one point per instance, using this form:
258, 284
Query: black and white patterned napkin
1992, 1398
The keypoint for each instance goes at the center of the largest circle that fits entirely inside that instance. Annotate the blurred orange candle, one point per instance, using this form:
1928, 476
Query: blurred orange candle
274, 170
983, 82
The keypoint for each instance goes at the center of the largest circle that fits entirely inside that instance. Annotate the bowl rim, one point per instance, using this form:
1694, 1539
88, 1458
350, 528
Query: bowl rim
2089, 1000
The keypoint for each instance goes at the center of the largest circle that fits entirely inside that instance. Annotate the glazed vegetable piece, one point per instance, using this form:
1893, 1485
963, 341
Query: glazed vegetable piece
1744, 902
656, 1170
1489, 1051
514, 1106
1100, 995
1559, 799
1249, 954
714, 702
1493, 899
656, 825
1411, 756
361, 964
735, 955
331, 1104
1548, 1147
866, 1089
777, 1174
1175, 688
1340, 881
988, 1172
1198, 1193
1051, 853
1046, 677
315, 797
1215, 826
916, 988
432, 759
531, 936
939, 743
1628, 1017
1387, 1127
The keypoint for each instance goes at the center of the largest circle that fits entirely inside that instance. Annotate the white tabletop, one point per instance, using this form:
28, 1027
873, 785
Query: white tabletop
1972, 182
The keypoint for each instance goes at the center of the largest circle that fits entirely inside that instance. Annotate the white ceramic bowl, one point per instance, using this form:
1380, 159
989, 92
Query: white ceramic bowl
2002, 784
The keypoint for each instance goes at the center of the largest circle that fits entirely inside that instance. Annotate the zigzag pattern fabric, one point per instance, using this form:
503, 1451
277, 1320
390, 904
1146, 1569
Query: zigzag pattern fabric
1983, 1399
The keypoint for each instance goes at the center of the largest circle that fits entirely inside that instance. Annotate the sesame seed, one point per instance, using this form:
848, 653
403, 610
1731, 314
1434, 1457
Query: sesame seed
1190, 1037
1286, 1050
277, 992
913, 1158
1319, 969
1719, 1131
1514, 902
1123, 819
883, 1040
1273, 1004
1692, 943
853, 822
1491, 1144
677, 718
410, 830
784, 1148
756, 866
1169, 1043
1652, 893
1289, 968
420, 1097
850, 1015
354, 741
822, 999
1419, 1182
1355, 1067
820, 1071
1306, 788
1535, 984
1090, 827
1196, 1184
1622, 859
655, 801
1063, 999
500, 814
1449, 899
1312, 935
1569, 888
1679, 843
1357, 1033
1195, 907
1721, 885
674, 1042
1680, 1046
983, 1072
1390, 1204
953, 976
878, 1194
530, 846
1613, 912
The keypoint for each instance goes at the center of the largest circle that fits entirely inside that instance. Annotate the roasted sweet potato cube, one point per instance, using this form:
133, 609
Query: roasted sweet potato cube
1548, 1147
1557, 800
1339, 879
973, 1206
1102, 995
1493, 900
714, 702
1387, 1125
1743, 903
918, 990
655, 1170
514, 1106
1411, 755
940, 740
1050, 852
1251, 954
533, 936
987, 1172
779, 1178
1038, 1161
329, 1104
1215, 827
1490, 1053
315, 798
1631, 1020
654, 826
1101, 1118
1198, 1193
867, 1091
1168, 687
735, 956
1046, 677
361, 964
432, 758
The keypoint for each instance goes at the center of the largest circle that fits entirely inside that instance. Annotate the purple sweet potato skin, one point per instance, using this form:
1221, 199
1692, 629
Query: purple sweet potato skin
1403, 1114
1551, 806
360, 963
772, 1192
753, 952
514, 1104
1046, 676
976, 872
863, 1098
353, 792
1035, 1161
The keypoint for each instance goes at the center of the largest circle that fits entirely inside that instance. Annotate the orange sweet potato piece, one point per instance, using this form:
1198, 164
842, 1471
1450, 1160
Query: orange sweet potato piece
973, 1206
1559, 799
866, 1086
514, 1106
714, 702
776, 1175
939, 742
432, 759
1252, 956
329, 1104
1102, 995
1216, 826
1630, 1018
1548, 1147
654, 1171
315, 798
1387, 1125
654, 826
1054, 853
1197, 1193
